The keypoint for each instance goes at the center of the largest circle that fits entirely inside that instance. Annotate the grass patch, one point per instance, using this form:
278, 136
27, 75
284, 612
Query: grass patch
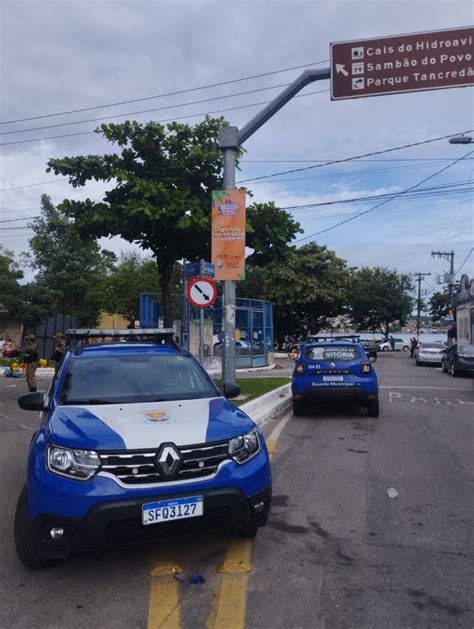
252, 388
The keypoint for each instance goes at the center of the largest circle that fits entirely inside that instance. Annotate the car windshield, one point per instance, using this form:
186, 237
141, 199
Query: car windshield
134, 378
466, 349
335, 353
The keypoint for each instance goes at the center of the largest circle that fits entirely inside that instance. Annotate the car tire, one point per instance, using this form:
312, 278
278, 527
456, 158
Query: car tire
418, 363
373, 408
385, 349
298, 409
444, 369
405, 348
453, 371
25, 542
248, 532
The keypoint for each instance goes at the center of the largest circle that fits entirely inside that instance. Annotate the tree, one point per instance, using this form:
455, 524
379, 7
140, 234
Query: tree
308, 287
379, 297
131, 276
161, 194
439, 305
70, 265
31, 302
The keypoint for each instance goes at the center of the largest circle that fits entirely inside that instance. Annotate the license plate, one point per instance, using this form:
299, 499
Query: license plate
333, 378
167, 510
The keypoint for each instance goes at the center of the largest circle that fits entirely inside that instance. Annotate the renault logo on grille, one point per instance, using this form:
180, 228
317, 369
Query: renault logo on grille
168, 461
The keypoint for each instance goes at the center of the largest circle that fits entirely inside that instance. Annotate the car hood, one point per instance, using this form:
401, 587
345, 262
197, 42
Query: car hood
147, 425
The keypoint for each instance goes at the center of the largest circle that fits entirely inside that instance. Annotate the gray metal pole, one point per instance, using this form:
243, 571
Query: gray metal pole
201, 336
228, 142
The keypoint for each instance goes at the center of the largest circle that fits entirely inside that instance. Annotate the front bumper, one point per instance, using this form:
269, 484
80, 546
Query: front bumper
120, 521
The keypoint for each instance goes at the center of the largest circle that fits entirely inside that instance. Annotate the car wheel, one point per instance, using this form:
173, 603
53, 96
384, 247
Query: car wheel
418, 363
298, 408
26, 543
443, 367
247, 531
454, 372
373, 408
385, 348
405, 348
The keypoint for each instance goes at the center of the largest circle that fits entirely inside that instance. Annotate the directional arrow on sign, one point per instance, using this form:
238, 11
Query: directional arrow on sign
341, 68
198, 288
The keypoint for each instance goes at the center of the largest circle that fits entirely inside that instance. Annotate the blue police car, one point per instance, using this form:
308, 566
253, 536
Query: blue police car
334, 369
135, 440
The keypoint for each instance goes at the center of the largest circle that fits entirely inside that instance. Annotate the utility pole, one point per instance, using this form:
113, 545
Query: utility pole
419, 278
230, 140
449, 256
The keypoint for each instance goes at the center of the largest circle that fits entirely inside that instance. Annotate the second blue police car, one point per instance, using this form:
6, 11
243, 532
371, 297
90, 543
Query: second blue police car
135, 440
334, 370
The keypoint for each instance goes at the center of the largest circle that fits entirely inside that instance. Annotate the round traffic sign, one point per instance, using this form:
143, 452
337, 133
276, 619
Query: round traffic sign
202, 292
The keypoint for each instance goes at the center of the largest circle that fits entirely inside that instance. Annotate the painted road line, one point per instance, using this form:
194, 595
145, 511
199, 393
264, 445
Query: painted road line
164, 611
229, 609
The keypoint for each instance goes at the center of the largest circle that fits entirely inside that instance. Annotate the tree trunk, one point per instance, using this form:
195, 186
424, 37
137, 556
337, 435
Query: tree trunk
166, 273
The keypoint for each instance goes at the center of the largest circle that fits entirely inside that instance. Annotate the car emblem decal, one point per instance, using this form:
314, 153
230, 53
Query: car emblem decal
157, 416
168, 461
332, 365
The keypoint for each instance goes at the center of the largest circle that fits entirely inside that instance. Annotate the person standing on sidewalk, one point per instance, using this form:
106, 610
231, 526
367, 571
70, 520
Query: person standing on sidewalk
30, 356
59, 349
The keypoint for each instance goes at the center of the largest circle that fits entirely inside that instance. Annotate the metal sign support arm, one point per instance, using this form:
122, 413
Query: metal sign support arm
230, 138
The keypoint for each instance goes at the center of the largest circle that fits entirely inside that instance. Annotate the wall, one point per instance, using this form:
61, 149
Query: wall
10, 327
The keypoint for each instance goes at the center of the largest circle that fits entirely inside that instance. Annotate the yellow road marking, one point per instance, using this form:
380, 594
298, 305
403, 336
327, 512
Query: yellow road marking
231, 602
164, 612
237, 558
271, 447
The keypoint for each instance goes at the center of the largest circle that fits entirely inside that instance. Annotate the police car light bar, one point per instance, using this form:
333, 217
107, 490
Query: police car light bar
114, 332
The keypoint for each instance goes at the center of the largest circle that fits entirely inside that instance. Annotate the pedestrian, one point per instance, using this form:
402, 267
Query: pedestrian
59, 349
30, 356
392, 343
413, 346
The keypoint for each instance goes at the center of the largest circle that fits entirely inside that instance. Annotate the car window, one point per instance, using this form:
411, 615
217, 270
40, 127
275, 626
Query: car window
336, 353
134, 378
463, 348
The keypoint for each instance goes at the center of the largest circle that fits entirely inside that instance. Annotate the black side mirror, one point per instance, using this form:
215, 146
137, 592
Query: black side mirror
230, 390
32, 401
371, 359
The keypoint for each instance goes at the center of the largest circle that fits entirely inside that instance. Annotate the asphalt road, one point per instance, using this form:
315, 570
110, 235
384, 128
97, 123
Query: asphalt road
338, 551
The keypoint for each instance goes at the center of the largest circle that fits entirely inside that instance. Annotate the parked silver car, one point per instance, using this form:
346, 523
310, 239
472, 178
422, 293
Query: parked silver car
430, 353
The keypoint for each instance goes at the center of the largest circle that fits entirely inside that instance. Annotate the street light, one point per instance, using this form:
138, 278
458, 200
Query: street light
461, 139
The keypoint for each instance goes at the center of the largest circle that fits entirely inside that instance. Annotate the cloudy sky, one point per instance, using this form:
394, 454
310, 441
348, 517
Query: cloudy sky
88, 54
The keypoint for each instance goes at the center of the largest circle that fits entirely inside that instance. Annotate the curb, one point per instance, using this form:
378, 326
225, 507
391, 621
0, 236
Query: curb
269, 404
218, 372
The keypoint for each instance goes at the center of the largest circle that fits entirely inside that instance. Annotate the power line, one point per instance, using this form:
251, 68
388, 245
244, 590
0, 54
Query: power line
145, 111
25, 218
204, 113
464, 261
176, 93
375, 207
30, 185
348, 159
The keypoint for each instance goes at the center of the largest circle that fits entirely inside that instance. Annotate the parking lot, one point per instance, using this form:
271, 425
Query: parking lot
337, 552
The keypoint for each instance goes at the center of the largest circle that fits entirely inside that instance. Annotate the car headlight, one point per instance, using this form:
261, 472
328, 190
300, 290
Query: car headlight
244, 447
79, 464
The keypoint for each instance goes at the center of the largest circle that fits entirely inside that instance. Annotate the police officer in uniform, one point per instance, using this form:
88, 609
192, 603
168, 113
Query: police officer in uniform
30, 356
59, 349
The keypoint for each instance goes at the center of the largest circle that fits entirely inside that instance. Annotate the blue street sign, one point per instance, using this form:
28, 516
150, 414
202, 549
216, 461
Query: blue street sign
199, 269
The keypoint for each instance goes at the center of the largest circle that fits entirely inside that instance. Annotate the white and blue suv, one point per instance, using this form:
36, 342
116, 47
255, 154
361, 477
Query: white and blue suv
136, 440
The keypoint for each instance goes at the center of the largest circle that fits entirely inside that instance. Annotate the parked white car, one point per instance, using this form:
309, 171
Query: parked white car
400, 344
431, 353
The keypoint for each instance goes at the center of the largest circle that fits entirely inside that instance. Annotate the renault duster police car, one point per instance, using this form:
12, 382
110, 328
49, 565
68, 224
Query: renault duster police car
136, 440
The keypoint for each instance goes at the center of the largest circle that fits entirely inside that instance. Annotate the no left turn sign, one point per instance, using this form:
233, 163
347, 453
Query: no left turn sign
202, 292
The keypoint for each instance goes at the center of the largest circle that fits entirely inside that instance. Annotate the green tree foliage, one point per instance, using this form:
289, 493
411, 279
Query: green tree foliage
68, 264
308, 287
31, 302
439, 306
131, 276
379, 297
160, 195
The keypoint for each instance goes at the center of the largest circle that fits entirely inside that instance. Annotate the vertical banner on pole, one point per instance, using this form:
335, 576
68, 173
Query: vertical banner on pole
228, 234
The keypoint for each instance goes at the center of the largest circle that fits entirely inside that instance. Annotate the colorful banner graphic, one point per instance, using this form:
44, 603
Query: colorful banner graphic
228, 234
